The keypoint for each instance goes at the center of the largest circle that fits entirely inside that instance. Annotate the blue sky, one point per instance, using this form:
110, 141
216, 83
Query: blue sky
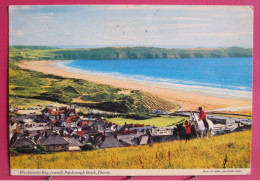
132, 25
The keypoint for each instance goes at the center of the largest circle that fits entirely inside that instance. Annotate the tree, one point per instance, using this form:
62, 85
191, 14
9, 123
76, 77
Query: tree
89, 147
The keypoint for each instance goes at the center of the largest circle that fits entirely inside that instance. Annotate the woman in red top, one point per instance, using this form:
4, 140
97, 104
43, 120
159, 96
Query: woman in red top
188, 130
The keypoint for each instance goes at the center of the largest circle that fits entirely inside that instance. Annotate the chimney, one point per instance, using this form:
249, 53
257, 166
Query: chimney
103, 138
138, 140
45, 134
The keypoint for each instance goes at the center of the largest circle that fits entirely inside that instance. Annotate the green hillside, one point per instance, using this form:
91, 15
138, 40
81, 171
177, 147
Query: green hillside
28, 86
51, 53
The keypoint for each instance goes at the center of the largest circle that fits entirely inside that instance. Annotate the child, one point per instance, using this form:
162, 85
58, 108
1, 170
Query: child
188, 130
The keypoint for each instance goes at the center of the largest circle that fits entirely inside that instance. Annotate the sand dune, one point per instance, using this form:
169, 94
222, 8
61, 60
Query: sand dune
189, 100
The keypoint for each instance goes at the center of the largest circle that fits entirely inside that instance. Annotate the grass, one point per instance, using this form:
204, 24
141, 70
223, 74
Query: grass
163, 121
32, 103
45, 53
235, 116
33, 85
204, 153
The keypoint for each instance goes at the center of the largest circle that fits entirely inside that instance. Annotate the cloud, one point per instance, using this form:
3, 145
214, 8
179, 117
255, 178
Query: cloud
67, 33
19, 7
222, 34
179, 19
19, 33
16, 32
171, 7
45, 17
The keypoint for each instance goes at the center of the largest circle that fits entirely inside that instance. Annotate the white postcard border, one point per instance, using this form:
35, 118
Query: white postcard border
128, 172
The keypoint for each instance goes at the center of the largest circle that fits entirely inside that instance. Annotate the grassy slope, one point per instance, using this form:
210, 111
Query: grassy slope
27, 86
30, 53
197, 153
163, 121
32, 103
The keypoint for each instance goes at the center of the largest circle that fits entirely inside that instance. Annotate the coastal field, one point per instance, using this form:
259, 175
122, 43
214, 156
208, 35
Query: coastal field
195, 154
189, 100
162, 121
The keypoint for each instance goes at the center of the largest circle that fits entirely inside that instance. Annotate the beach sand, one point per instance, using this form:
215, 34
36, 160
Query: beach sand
190, 101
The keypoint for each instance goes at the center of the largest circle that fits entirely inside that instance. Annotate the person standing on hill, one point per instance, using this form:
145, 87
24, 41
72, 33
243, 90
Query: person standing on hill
188, 130
203, 117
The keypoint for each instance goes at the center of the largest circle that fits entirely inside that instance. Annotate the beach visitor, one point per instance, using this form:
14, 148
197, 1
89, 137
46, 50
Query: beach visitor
203, 117
188, 130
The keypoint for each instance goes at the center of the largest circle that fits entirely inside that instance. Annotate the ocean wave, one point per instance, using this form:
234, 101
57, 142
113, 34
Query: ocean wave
208, 88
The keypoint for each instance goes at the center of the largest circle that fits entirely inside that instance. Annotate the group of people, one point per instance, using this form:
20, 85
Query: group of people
202, 116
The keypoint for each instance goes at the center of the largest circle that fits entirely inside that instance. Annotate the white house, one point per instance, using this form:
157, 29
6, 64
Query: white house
162, 131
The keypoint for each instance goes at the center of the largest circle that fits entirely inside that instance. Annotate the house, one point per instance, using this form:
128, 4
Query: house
110, 142
162, 131
144, 140
23, 142
34, 124
59, 113
46, 111
128, 140
31, 130
74, 144
25, 118
142, 129
54, 142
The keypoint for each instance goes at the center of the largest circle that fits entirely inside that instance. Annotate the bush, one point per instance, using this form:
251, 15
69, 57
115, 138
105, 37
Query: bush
41, 148
28, 150
13, 152
89, 147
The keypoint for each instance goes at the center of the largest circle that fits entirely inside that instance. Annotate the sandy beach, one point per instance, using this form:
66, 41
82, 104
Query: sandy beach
190, 101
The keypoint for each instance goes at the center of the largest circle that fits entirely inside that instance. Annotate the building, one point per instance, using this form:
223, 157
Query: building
162, 131
74, 144
23, 142
53, 141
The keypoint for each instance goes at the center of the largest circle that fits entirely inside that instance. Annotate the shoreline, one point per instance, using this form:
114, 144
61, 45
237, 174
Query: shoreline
189, 100
193, 89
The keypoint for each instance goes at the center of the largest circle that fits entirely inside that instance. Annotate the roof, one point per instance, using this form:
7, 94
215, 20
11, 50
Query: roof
54, 139
34, 128
72, 119
46, 110
57, 113
73, 142
80, 133
129, 140
24, 117
110, 142
53, 121
84, 123
41, 137
144, 140
23, 142
91, 130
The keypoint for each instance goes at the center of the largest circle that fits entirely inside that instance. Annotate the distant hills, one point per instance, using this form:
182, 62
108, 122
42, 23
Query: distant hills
52, 53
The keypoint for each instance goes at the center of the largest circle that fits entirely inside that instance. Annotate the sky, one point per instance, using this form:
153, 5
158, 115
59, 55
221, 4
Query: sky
131, 25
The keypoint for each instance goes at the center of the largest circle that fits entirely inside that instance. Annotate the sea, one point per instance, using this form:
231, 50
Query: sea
219, 76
